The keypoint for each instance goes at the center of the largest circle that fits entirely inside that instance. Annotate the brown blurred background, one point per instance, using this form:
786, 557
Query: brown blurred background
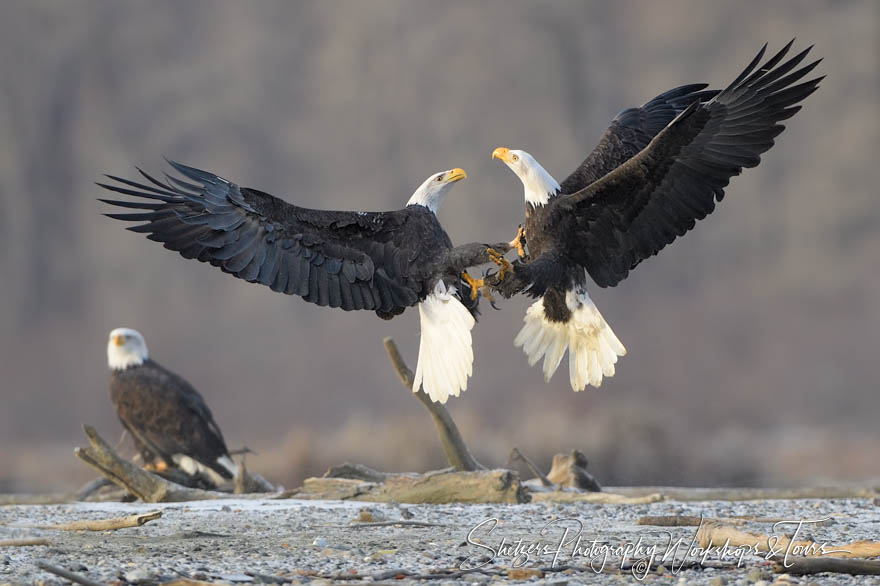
753, 341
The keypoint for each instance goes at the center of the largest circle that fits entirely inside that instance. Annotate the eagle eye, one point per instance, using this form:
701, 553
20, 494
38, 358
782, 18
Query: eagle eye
439, 177
515, 158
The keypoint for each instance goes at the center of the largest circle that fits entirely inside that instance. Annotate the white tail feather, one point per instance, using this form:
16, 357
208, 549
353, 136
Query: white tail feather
192, 467
592, 347
446, 355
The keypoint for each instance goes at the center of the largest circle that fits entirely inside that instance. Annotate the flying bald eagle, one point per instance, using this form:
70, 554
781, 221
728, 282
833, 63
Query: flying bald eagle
379, 261
168, 419
655, 172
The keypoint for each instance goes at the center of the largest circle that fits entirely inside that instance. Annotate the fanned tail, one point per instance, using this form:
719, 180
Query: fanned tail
592, 346
446, 355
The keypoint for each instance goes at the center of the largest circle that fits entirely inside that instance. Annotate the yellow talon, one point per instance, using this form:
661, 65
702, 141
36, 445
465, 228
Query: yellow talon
499, 260
517, 242
475, 284
158, 465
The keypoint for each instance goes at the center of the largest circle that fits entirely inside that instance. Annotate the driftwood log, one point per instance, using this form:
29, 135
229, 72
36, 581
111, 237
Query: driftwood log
715, 534
480, 486
804, 566
688, 494
144, 485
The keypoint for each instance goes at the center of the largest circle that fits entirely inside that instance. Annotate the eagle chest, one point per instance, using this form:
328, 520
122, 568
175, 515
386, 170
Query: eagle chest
537, 230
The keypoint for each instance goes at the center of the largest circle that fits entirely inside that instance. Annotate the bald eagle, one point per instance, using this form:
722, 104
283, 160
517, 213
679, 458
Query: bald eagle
168, 419
378, 261
655, 172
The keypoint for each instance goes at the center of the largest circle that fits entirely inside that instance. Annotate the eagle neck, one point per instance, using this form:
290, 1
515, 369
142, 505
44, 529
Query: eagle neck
431, 206
539, 186
121, 360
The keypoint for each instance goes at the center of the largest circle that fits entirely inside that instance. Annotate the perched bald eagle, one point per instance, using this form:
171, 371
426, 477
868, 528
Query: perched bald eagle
656, 171
168, 419
378, 261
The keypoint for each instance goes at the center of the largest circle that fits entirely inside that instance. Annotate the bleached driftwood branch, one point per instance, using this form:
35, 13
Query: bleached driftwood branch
23, 542
105, 524
457, 453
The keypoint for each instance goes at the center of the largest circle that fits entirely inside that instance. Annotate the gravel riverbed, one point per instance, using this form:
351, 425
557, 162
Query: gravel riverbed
313, 542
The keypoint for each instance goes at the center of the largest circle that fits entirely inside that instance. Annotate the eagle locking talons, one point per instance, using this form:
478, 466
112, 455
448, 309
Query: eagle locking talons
475, 284
503, 264
519, 242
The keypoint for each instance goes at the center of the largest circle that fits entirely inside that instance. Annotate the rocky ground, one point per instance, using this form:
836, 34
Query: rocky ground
315, 542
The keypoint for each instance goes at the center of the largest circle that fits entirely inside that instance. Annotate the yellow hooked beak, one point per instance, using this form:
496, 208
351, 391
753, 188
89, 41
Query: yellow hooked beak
456, 175
119, 340
502, 153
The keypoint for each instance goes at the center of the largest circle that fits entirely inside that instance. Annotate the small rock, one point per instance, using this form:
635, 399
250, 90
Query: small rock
139, 576
717, 581
320, 542
756, 575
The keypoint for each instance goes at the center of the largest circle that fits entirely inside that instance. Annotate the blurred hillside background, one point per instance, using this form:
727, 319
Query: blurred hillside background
753, 341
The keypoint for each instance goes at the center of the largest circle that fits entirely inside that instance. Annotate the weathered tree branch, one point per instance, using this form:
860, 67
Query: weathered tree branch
457, 453
144, 485
67, 574
515, 455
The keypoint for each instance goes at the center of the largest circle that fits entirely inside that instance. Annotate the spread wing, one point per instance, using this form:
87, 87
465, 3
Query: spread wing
352, 260
631, 131
630, 214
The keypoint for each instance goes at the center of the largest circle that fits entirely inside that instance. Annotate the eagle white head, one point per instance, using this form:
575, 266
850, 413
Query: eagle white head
126, 347
539, 185
433, 191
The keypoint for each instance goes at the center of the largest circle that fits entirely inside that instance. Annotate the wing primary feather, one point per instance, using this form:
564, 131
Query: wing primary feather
747, 70
169, 197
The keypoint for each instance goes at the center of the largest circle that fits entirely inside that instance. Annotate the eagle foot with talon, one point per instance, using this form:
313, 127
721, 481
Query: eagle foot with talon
519, 243
475, 285
503, 263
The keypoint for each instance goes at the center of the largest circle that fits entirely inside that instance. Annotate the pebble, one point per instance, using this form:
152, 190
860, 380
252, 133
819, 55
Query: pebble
139, 576
756, 575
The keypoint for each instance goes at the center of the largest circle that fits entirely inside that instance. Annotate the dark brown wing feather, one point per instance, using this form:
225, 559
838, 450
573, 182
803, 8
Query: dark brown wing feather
167, 416
613, 224
352, 260
631, 131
